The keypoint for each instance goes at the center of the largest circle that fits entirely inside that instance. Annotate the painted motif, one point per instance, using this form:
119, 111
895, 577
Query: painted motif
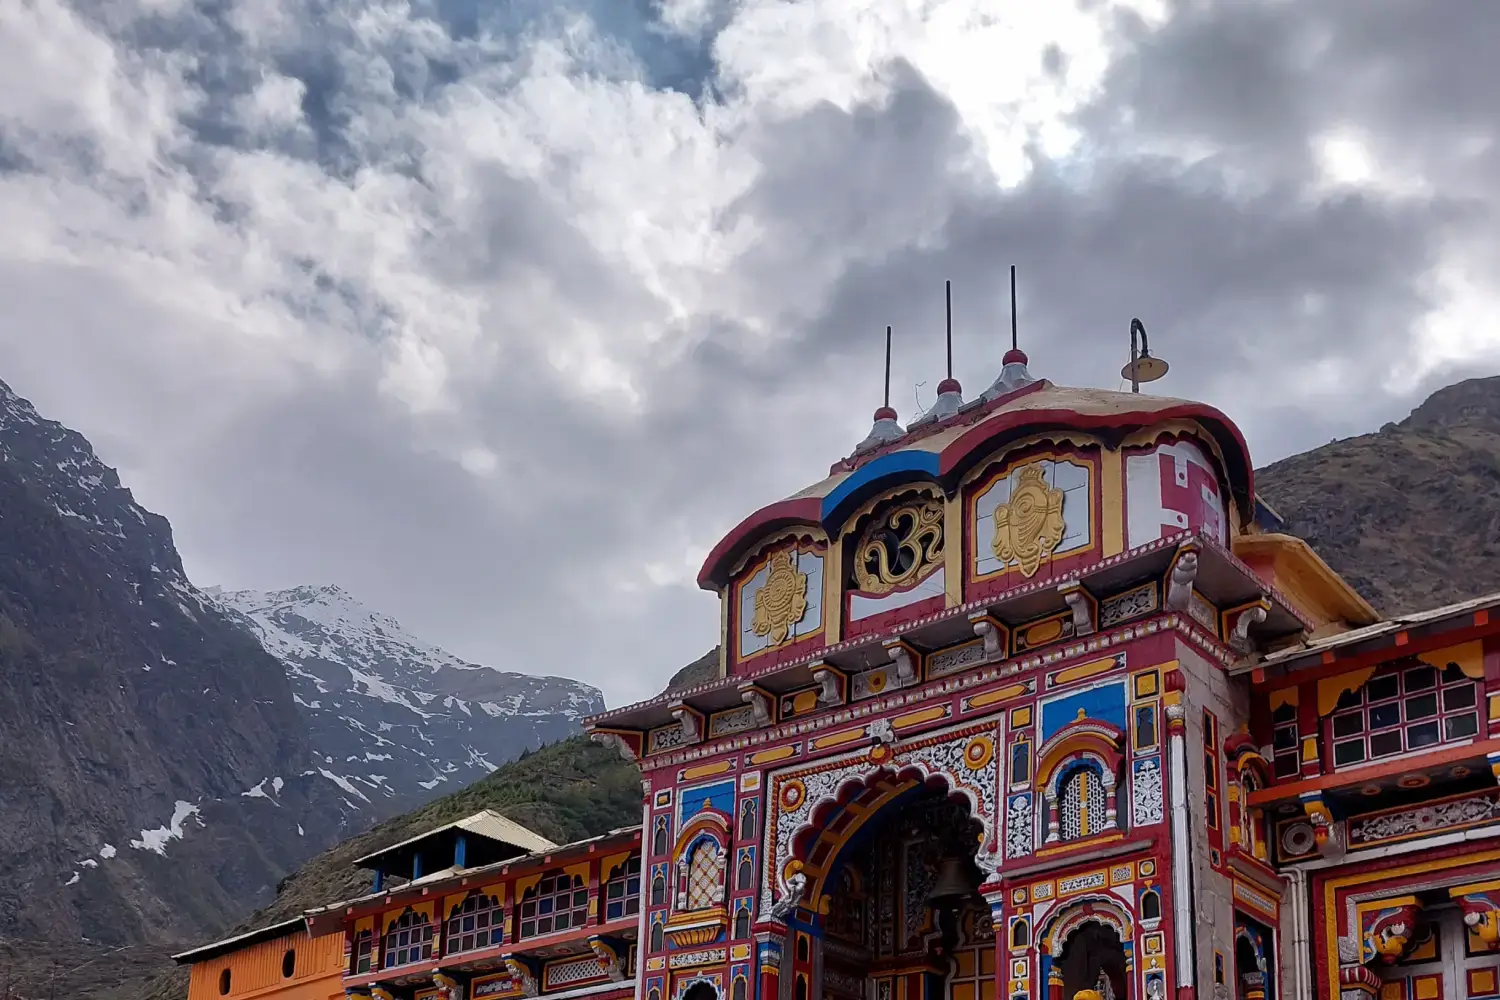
781, 601
1173, 487
1035, 512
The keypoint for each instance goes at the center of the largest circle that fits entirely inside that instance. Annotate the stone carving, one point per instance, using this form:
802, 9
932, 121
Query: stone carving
795, 887
521, 975
951, 661
829, 693
731, 721
1131, 604
1147, 806
986, 630
688, 720
616, 742
1030, 525
609, 959
881, 731
900, 548
1423, 819
759, 704
1180, 585
1239, 640
448, 988
781, 601
1019, 826
906, 671
1083, 610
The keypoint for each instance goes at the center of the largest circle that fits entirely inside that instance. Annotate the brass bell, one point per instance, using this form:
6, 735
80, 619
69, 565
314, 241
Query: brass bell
952, 883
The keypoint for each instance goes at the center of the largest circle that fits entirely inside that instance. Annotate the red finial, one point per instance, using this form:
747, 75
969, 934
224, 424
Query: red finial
1014, 356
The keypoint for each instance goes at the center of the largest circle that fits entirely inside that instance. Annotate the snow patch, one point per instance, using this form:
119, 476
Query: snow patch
157, 840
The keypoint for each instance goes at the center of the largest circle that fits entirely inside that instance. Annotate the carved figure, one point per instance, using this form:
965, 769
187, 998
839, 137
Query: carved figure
796, 886
781, 601
1030, 525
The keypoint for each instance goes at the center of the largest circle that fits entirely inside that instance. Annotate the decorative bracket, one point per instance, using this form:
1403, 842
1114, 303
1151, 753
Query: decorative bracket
1182, 576
1248, 618
1481, 908
831, 680
381, 993
882, 732
1387, 928
690, 720
448, 988
1085, 609
906, 668
615, 740
992, 632
611, 957
759, 702
522, 975
1328, 832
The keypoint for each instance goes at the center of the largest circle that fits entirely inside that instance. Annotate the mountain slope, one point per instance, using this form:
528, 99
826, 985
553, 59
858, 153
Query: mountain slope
1410, 515
566, 791
133, 717
397, 719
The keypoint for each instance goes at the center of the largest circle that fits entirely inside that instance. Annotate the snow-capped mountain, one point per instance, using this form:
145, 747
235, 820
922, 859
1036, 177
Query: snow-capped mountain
396, 720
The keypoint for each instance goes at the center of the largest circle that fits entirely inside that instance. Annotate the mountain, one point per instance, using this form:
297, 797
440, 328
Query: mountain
396, 721
1410, 514
134, 718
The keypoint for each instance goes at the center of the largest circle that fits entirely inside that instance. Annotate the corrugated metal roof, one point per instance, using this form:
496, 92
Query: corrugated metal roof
1341, 639
268, 933
486, 823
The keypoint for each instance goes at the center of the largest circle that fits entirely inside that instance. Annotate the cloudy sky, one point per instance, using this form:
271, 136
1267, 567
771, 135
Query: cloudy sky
500, 314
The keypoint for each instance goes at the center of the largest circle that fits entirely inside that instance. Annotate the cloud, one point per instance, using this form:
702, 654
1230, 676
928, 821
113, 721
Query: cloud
499, 315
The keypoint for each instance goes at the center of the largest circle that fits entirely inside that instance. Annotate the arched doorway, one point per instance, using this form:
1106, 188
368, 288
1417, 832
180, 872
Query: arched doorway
891, 901
1086, 946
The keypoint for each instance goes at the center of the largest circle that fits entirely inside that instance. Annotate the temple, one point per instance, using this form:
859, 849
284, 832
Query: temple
1029, 698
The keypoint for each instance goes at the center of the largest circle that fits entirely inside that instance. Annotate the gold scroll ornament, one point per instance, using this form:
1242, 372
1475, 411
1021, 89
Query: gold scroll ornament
1030, 526
782, 599
900, 549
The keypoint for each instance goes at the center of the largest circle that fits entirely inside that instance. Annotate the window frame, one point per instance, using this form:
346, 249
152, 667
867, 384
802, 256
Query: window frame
453, 936
628, 882
1362, 738
542, 904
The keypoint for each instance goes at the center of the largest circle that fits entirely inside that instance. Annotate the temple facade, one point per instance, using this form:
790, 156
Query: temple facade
1031, 698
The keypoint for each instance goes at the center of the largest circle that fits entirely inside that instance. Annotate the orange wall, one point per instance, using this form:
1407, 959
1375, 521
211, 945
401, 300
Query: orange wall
255, 971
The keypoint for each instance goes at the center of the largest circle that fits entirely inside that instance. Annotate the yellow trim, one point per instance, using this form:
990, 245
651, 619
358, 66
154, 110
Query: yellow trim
1331, 689
836, 739
1468, 655
726, 594
1020, 718
1285, 696
833, 592
1330, 898
992, 697
953, 555
1491, 885
1111, 502
1309, 582
1147, 684
773, 755
1074, 845
706, 770
1086, 670
918, 717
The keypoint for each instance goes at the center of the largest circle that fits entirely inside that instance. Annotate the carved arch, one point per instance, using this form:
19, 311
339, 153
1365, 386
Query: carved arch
1091, 909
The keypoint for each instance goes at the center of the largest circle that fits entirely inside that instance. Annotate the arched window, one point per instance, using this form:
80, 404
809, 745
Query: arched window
747, 820
364, 948
557, 902
653, 994
658, 889
477, 922
746, 877
742, 923
1150, 905
741, 988
289, 963
656, 937
1020, 935
1081, 804
659, 837
801, 987
705, 875
622, 891
224, 983
408, 939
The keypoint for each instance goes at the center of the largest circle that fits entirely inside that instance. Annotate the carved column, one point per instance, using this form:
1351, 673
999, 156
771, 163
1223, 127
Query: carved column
1111, 807
1185, 954
1054, 830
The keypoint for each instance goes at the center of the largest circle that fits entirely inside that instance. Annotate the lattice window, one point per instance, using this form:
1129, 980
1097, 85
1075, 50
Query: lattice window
364, 950
477, 922
1082, 804
622, 892
408, 940
1285, 750
705, 876
1411, 709
557, 902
